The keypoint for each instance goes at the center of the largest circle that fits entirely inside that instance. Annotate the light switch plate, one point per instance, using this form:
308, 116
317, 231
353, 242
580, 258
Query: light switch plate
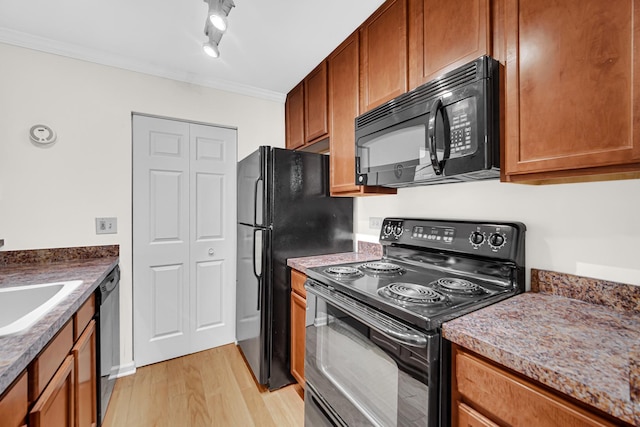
106, 225
375, 222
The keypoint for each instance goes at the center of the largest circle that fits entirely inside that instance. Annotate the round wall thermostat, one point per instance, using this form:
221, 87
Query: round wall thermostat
42, 134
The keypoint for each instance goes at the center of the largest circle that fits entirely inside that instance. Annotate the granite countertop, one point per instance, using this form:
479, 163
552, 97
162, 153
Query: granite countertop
89, 264
301, 264
576, 335
366, 252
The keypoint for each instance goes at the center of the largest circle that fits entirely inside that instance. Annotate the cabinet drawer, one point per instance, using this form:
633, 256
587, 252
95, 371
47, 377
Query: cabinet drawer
467, 417
510, 400
83, 316
297, 283
14, 404
41, 370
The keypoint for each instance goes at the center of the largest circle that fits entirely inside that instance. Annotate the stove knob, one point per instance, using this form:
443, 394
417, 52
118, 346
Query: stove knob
398, 230
496, 241
476, 238
388, 229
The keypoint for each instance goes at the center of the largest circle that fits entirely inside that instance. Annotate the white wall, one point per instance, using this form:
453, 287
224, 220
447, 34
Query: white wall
49, 197
590, 229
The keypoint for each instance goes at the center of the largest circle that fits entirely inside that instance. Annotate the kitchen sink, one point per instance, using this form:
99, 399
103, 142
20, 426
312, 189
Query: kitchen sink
22, 306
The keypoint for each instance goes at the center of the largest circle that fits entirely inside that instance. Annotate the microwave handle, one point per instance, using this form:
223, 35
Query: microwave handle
437, 164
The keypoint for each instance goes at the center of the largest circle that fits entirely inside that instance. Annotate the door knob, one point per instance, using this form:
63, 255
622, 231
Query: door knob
211, 251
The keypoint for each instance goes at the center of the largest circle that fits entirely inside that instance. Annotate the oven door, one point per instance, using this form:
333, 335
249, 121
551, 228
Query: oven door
364, 368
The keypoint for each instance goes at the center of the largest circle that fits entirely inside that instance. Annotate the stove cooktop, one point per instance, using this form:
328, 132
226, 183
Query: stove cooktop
425, 297
433, 271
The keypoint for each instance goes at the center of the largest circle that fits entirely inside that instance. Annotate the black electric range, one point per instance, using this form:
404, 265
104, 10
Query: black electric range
388, 314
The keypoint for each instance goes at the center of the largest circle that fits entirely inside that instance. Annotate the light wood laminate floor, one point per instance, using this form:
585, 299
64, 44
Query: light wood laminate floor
210, 388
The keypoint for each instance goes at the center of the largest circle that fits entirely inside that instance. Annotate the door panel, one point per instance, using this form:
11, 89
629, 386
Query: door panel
209, 294
165, 188
212, 248
184, 208
168, 316
210, 191
160, 238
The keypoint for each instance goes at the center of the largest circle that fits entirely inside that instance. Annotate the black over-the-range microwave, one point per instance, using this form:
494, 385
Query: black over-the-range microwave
446, 130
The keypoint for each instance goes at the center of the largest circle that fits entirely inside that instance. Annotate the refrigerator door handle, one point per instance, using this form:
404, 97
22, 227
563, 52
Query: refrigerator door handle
255, 203
255, 272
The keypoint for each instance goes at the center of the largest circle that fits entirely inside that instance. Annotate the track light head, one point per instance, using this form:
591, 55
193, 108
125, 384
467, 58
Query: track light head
211, 49
218, 12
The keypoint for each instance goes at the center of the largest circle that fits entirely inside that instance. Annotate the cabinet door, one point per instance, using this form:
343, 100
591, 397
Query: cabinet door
14, 403
344, 71
316, 117
444, 35
294, 111
84, 353
384, 55
55, 407
298, 316
572, 88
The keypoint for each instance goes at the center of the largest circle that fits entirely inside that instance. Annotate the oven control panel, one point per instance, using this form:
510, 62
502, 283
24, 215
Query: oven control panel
496, 240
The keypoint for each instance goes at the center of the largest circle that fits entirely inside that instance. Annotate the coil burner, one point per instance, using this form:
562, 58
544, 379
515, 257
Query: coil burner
340, 272
459, 286
411, 293
385, 268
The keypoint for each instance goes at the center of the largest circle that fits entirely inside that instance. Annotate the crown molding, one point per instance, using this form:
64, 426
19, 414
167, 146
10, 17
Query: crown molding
42, 44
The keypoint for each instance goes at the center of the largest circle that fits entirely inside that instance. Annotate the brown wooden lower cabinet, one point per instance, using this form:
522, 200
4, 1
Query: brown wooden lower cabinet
298, 316
59, 387
55, 407
485, 394
14, 403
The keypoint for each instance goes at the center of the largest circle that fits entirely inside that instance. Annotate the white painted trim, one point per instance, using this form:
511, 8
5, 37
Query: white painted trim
42, 44
127, 369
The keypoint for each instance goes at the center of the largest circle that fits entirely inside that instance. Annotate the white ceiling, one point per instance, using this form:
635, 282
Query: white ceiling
269, 47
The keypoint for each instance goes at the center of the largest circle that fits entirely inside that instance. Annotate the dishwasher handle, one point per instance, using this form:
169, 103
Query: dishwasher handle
111, 281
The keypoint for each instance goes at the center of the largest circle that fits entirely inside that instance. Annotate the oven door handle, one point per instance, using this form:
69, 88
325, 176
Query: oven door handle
381, 323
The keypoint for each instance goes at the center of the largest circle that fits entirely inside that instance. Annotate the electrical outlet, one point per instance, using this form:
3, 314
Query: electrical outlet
106, 225
375, 222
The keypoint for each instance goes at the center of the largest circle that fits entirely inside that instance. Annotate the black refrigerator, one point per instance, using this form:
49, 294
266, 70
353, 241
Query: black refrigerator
284, 211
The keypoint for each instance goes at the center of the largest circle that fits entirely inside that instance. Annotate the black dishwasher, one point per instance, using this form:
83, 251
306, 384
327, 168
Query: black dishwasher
108, 355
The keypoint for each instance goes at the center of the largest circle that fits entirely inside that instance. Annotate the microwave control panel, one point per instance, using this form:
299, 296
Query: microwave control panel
485, 239
462, 127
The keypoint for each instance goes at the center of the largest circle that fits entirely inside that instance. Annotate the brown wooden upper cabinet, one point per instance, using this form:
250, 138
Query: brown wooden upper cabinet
384, 56
572, 89
344, 71
294, 117
444, 35
316, 115
306, 110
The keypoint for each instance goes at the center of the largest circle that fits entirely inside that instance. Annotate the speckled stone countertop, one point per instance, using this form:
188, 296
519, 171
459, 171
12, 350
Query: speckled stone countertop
577, 335
89, 264
366, 252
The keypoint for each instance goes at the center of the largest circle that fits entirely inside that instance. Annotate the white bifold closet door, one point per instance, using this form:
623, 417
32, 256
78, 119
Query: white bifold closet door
184, 215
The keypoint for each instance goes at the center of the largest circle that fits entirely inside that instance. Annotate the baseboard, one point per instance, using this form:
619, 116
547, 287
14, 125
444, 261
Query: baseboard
128, 369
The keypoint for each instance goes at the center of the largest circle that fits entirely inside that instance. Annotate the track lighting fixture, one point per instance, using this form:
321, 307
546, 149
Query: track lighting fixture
214, 35
216, 25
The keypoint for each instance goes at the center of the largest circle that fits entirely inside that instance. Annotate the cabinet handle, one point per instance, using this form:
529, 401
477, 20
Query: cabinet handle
211, 252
